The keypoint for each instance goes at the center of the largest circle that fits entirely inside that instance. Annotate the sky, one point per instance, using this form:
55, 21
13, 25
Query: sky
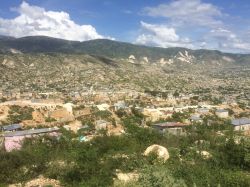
210, 24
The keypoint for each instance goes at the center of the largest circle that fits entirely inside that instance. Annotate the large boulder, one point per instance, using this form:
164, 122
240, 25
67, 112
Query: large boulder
160, 151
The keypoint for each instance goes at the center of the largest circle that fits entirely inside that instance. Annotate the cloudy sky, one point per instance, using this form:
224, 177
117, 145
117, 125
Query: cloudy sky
210, 24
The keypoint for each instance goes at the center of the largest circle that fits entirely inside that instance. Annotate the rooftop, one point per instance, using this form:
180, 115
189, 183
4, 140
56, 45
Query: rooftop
241, 121
30, 132
169, 124
11, 127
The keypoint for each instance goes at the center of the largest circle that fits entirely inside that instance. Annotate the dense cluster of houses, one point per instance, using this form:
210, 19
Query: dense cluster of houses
54, 112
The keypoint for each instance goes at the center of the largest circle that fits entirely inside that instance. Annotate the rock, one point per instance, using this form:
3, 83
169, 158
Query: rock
127, 177
132, 59
8, 63
15, 51
160, 151
185, 57
204, 154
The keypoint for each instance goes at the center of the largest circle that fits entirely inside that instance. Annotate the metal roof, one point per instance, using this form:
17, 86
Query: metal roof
241, 121
169, 124
30, 132
11, 127
221, 110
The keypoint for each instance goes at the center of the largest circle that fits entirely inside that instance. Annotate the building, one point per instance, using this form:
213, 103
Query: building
101, 124
196, 118
12, 127
175, 128
241, 124
221, 113
153, 114
119, 105
103, 107
13, 140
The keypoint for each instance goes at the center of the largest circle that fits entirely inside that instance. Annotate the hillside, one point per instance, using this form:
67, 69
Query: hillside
43, 64
114, 49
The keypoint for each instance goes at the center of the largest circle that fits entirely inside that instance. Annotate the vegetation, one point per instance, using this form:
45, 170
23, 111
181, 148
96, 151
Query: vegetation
17, 114
49, 119
95, 163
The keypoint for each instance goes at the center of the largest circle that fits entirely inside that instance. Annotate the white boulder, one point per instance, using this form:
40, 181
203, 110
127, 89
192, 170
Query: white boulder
160, 151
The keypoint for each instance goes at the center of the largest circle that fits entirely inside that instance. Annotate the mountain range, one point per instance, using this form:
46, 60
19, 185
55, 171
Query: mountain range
116, 50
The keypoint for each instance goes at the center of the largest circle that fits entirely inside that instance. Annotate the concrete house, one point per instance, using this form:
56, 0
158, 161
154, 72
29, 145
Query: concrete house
196, 118
103, 107
241, 124
221, 113
14, 140
12, 127
175, 128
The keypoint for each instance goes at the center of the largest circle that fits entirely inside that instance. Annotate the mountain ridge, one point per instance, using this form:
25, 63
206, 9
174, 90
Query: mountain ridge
112, 49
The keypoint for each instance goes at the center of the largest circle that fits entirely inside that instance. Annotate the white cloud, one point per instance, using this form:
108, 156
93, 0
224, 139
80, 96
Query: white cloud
34, 20
183, 12
228, 41
205, 24
161, 36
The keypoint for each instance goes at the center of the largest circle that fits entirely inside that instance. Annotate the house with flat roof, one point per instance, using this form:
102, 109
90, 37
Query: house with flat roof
222, 113
14, 140
12, 127
241, 124
196, 118
175, 128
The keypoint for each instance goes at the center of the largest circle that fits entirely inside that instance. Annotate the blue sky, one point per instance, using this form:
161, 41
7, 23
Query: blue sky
211, 24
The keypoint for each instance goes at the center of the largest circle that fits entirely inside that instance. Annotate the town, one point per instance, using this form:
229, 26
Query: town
93, 111
124, 93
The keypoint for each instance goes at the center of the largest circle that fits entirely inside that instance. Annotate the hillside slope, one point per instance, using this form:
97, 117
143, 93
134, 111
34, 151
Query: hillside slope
114, 49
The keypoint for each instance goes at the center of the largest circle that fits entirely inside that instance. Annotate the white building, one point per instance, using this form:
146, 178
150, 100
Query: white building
221, 113
103, 107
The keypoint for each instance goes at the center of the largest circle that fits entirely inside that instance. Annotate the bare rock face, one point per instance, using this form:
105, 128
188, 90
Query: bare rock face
160, 151
8, 63
131, 59
15, 51
185, 57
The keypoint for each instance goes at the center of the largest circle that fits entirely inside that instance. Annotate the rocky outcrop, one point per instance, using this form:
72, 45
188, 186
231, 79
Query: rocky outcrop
185, 57
160, 151
8, 63
127, 177
131, 59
